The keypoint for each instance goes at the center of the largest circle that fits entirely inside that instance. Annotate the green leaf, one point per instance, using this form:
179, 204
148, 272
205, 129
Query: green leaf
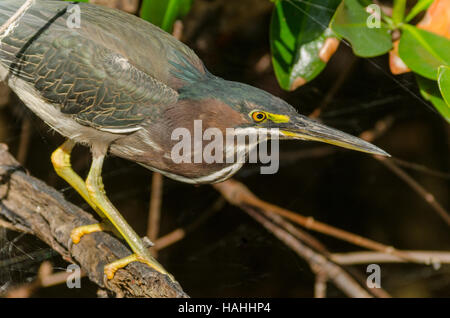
298, 32
419, 7
398, 11
430, 91
444, 82
423, 51
352, 22
163, 13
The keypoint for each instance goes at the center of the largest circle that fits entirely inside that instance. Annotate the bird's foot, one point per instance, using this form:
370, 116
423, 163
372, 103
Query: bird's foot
111, 268
78, 232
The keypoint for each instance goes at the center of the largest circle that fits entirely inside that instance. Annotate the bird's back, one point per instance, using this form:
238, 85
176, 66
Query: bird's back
146, 46
108, 71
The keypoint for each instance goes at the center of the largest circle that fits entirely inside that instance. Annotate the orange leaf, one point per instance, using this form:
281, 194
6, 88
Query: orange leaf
436, 20
396, 64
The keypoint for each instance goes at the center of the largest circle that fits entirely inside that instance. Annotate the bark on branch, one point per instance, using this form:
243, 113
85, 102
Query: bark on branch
29, 205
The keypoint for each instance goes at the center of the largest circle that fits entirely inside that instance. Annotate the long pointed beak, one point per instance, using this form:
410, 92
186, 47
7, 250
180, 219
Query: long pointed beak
307, 129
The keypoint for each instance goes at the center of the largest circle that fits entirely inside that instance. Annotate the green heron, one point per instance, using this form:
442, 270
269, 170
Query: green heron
121, 85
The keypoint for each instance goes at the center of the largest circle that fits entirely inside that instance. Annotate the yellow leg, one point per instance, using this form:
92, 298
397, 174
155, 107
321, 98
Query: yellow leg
61, 163
98, 196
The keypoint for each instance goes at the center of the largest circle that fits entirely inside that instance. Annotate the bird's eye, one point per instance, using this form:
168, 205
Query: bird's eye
259, 116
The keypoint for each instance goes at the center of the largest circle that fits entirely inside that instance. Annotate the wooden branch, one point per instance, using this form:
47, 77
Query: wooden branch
238, 194
317, 262
320, 285
28, 204
300, 242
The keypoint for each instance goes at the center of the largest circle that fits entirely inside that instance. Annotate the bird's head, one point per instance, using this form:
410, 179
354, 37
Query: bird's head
225, 104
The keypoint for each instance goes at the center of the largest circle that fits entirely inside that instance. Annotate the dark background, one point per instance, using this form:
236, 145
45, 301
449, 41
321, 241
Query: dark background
230, 254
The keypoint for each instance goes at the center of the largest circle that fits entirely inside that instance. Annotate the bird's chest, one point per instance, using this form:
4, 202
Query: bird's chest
185, 158
201, 173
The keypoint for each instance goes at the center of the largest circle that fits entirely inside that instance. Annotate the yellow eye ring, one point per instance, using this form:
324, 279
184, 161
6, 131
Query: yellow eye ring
259, 116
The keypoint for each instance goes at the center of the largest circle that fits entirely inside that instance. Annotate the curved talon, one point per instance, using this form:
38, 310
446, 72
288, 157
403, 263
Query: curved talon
111, 268
78, 232
75, 236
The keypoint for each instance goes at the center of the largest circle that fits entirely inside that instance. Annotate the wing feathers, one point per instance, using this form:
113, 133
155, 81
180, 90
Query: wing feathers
111, 74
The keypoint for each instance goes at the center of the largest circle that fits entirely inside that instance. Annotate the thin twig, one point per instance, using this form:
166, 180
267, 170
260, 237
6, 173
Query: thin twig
320, 285
27, 289
303, 236
366, 257
421, 168
154, 213
380, 127
178, 29
238, 194
317, 261
413, 184
45, 278
130, 6
308, 239
12, 227
58, 278
263, 65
